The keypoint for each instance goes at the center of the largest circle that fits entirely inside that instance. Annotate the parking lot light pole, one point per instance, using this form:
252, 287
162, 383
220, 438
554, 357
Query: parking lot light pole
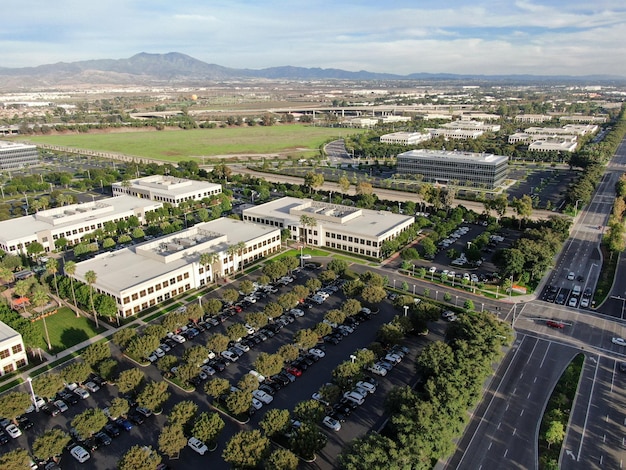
456, 300
32, 393
406, 309
436, 294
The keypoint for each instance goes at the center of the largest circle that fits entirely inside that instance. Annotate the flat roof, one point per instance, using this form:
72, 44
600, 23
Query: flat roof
6, 145
6, 332
358, 221
171, 185
135, 265
77, 214
422, 154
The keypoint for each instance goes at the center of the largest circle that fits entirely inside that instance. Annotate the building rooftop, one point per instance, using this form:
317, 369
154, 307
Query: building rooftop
6, 145
419, 154
170, 185
125, 268
336, 217
6, 332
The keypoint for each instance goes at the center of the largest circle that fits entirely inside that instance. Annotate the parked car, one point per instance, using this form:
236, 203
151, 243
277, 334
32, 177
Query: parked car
331, 423
377, 369
367, 386
80, 454
61, 406
82, 393
102, 438
13, 431
111, 429
262, 396
229, 355
354, 397
197, 445
91, 386
555, 324
124, 424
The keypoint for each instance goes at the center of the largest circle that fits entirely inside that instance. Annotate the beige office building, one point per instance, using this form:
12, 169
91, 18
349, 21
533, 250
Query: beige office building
12, 350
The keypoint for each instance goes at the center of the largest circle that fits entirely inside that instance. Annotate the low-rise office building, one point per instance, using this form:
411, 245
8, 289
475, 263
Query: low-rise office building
568, 129
15, 155
461, 134
459, 168
581, 118
344, 228
144, 275
404, 138
553, 145
471, 126
70, 222
12, 350
168, 189
532, 118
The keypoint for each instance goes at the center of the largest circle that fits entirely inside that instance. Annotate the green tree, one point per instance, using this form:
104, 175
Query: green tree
76, 372
52, 266
268, 364
123, 337
282, 459
139, 457
129, 380
230, 295
275, 422
13, 404
153, 396
217, 343
95, 353
182, 412
236, 331
555, 433
216, 387
305, 339
373, 295
246, 449
313, 180
34, 250
308, 440
238, 402
119, 407
309, 411
172, 440
91, 277
48, 385
207, 427
248, 383
17, 459
89, 422
50, 444
288, 352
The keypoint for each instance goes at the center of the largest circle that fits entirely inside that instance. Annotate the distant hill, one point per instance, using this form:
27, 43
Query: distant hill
174, 67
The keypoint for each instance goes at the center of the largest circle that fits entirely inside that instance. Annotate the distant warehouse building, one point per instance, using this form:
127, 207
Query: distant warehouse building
168, 189
14, 155
463, 168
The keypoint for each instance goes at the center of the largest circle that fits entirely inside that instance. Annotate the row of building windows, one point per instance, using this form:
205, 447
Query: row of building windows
159, 286
350, 239
10, 367
17, 348
349, 248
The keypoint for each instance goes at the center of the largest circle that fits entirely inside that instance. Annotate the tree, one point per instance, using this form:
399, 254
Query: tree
217, 343
273, 310
313, 180
50, 444
95, 353
230, 295
139, 457
89, 422
268, 364
124, 336
76, 372
305, 339
309, 411
275, 422
288, 352
351, 307
40, 298
195, 355
48, 385
17, 459
246, 449
373, 294
307, 440
248, 383
238, 402
523, 207
182, 412
13, 404
129, 380
212, 306
34, 250
207, 427
106, 307
236, 331
364, 188
344, 184
52, 266
91, 277
153, 395
70, 269
119, 407
282, 459
338, 266
555, 433
172, 440
216, 387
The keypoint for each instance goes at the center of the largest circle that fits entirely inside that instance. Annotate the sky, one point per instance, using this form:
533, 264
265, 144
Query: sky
541, 37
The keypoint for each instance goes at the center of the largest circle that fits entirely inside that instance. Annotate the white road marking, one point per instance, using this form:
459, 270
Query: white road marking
545, 355
582, 436
521, 413
490, 444
505, 453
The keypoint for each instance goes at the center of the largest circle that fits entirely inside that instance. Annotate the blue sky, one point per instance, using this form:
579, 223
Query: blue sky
546, 37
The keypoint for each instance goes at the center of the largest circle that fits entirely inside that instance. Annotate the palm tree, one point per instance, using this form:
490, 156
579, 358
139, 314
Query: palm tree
208, 259
240, 247
70, 270
91, 277
231, 251
40, 298
52, 266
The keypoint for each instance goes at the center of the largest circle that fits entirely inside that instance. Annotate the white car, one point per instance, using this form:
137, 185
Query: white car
584, 302
60, 404
91, 386
208, 370
331, 423
197, 445
250, 298
432, 270
179, 339
354, 397
232, 357
619, 341
262, 396
82, 393
13, 431
317, 352
256, 404
257, 375
242, 347
249, 328
371, 388
80, 454
296, 312
318, 397
164, 347
573, 301
393, 358
152, 357
377, 369
159, 352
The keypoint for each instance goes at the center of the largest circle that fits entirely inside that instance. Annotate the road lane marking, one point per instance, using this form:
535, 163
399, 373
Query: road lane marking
514, 431
582, 436
514, 390
528, 396
499, 425
505, 453
604, 439
521, 375
530, 356
507, 407
521, 412
613, 377
545, 355
535, 381
489, 448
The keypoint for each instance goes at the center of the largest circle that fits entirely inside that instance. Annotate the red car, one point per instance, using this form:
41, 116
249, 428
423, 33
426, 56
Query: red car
294, 371
555, 324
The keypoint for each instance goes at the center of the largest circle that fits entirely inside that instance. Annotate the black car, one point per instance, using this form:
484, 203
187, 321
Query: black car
281, 379
308, 359
91, 444
267, 389
50, 410
4, 439
276, 386
24, 423
67, 397
171, 343
195, 381
338, 416
112, 430
102, 438
136, 418
218, 365
99, 381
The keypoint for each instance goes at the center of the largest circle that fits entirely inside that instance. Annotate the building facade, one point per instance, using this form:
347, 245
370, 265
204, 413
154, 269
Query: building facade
70, 222
168, 189
460, 134
144, 275
446, 167
344, 228
12, 350
15, 155
404, 138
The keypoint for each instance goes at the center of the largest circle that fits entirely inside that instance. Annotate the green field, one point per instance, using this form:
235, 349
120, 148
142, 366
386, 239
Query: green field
65, 330
176, 145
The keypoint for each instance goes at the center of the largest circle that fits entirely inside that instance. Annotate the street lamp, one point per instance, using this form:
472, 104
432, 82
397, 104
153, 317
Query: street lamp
413, 289
352, 358
32, 393
406, 309
456, 300
576, 208
436, 294
394, 283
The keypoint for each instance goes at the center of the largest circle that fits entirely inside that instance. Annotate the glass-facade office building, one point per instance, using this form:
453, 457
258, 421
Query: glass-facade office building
14, 155
458, 168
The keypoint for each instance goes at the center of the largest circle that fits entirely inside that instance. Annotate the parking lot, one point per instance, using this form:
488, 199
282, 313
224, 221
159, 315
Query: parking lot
359, 422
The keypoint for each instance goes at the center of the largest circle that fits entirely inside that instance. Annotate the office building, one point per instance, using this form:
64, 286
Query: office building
404, 138
12, 350
167, 189
15, 155
344, 228
457, 168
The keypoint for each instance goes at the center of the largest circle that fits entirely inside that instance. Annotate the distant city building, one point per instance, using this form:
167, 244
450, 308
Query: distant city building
340, 227
70, 222
568, 129
460, 168
404, 138
527, 138
460, 134
469, 115
532, 118
10, 130
15, 155
12, 350
553, 145
142, 276
587, 119
362, 122
471, 126
391, 119
167, 189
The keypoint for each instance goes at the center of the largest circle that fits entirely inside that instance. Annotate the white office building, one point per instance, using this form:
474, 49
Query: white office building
70, 222
12, 350
404, 138
144, 275
15, 155
167, 189
471, 126
344, 228
532, 118
553, 145
461, 134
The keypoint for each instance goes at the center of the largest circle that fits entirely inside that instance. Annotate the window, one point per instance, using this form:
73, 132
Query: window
158, 286
17, 348
179, 277
135, 296
126, 299
142, 293
20, 363
4, 354
8, 368
166, 283
150, 290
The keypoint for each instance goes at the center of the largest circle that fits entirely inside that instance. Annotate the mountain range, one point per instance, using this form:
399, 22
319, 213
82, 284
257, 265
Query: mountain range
174, 67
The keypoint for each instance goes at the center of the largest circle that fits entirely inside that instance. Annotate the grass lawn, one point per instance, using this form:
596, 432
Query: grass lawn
175, 145
65, 330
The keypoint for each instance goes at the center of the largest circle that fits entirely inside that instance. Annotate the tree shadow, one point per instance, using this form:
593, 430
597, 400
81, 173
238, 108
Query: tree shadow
73, 336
